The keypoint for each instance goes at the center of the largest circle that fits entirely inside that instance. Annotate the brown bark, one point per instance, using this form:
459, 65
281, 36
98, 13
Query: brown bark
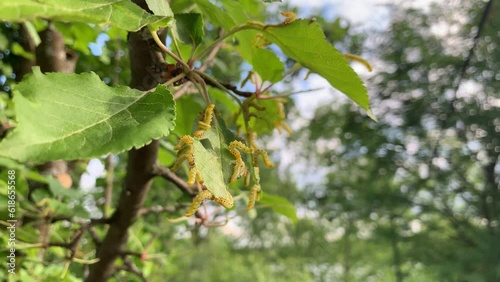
23, 66
52, 56
140, 169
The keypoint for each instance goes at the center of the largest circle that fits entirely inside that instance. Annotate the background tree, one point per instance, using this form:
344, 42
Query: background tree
418, 190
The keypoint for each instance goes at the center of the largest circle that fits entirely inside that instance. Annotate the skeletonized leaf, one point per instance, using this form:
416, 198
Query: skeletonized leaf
71, 116
214, 162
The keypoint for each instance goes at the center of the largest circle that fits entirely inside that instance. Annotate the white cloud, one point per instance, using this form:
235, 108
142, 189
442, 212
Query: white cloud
367, 13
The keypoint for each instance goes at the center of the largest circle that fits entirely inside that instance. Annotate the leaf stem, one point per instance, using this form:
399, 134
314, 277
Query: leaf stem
289, 94
166, 50
174, 40
197, 81
218, 84
175, 79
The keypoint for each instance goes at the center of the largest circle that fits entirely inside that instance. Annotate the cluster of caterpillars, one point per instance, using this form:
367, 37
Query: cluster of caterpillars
185, 152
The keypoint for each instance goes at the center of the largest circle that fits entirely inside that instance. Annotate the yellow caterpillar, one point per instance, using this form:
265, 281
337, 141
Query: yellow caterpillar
239, 167
194, 176
205, 120
195, 204
253, 196
226, 202
181, 158
265, 158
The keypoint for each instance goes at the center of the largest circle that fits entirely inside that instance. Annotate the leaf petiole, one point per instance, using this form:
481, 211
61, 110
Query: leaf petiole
166, 50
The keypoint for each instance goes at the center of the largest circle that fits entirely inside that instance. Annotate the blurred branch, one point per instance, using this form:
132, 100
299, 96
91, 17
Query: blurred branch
129, 266
169, 175
108, 192
95, 237
231, 87
24, 65
467, 60
207, 63
74, 220
158, 209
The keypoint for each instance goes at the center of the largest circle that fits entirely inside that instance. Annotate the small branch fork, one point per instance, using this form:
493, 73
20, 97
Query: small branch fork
88, 227
176, 74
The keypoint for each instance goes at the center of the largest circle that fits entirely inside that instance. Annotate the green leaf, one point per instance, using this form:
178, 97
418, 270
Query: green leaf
279, 205
120, 13
17, 49
264, 62
271, 1
78, 35
160, 7
243, 10
305, 42
4, 42
218, 16
187, 109
33, 34
266, 120
267, 65
189, 28
70, 116
224, 103
165, 157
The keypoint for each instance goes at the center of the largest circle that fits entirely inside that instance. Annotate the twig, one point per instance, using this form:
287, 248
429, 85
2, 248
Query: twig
104, 220
130, 266
290, 94
167, 174
95, 237
164, 48
158, 209
467, 60
211, 57
233, 89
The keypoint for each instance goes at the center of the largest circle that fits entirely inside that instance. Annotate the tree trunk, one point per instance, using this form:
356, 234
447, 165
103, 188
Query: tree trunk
396, 255
143, 59
347, 252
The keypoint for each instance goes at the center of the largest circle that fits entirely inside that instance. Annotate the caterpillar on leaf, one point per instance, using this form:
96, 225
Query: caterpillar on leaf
196, 203
239, 167
290, 17
205, 120
194, 176
226, 202
265, 158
